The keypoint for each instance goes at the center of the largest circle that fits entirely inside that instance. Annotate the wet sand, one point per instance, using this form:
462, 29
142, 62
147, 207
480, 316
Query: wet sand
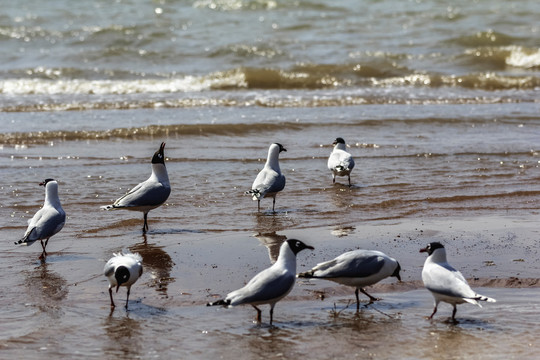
61, 309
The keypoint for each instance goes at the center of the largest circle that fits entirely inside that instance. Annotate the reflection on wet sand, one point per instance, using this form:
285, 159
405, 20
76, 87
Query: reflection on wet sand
123, 335
342, 196
266, 228
158, 262
271, 223
46, 288
273, 242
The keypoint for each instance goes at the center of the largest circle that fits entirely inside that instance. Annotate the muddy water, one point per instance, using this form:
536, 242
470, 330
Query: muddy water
60, 308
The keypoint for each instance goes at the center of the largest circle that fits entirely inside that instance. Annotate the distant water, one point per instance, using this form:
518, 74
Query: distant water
439, 102
147, 54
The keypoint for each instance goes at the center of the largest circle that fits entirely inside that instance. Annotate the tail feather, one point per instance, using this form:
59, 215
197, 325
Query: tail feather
222, 302
108, 207
255, 193
475, 300
24, 240
307, 274
485, 298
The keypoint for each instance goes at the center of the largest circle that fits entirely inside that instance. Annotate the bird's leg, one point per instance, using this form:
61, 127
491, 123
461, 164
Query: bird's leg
145, 225
349, 176
274, 204
333, 179
454, 314
258, 205
371, 298
43, 246
127, 298
433, 313
112, 301
271, 314
258, 313
357, 300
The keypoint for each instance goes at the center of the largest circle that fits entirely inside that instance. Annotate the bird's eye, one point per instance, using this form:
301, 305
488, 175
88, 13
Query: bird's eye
298, 244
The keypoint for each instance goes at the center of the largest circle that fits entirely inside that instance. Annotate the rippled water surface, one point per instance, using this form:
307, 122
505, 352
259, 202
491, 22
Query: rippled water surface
437, 101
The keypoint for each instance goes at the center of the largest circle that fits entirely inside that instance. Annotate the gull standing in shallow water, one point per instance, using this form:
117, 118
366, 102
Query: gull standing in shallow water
149, 194
357, 268
340, 162
123, 269
446, 283
270, 285
270, 180
49, 220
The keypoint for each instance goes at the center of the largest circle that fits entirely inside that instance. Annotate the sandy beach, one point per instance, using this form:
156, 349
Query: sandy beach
437, 103
184, 270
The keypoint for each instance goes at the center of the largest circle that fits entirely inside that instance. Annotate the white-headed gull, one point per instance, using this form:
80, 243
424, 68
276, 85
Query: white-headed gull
270, 180
49, 220
270, 285
357, 268
149, 194
340, 162
123, 269
446, 283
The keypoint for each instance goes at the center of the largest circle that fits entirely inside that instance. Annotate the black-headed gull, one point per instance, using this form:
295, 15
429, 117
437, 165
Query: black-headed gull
357, 268
270, 180
149, 194
123, 269
49, 220
270, 285
445, 283
340, 162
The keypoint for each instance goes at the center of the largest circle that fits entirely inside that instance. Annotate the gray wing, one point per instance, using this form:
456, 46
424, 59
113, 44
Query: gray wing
108, 270
47, 222
348, 162
268, 181
333, 160
340, 160
446, 281
351, 264
264, 287
144, 194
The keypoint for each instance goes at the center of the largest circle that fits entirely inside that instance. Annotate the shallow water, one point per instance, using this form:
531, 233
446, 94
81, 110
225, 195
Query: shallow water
439, 104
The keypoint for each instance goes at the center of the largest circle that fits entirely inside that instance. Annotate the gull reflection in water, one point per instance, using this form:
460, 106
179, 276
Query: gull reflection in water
46, 288
273, 242
157, 262
124, 337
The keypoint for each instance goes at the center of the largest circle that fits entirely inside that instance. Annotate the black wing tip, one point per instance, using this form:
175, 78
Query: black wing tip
307, 275
219, 302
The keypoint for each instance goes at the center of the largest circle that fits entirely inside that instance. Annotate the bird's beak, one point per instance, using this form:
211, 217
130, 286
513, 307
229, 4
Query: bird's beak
424, 249
162, 147
310, 247
41, 184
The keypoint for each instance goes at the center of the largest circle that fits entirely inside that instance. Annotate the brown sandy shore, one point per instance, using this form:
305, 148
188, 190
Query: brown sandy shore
60, 308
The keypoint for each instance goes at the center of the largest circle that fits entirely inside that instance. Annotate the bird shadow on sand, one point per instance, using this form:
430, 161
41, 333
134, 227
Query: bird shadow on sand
136, 308
461, 323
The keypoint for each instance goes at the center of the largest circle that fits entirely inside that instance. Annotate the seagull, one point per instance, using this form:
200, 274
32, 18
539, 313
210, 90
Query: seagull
446, 283
270, 180
270, 285
123, 269
357, 268
49, 220
149, 194
340, 161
